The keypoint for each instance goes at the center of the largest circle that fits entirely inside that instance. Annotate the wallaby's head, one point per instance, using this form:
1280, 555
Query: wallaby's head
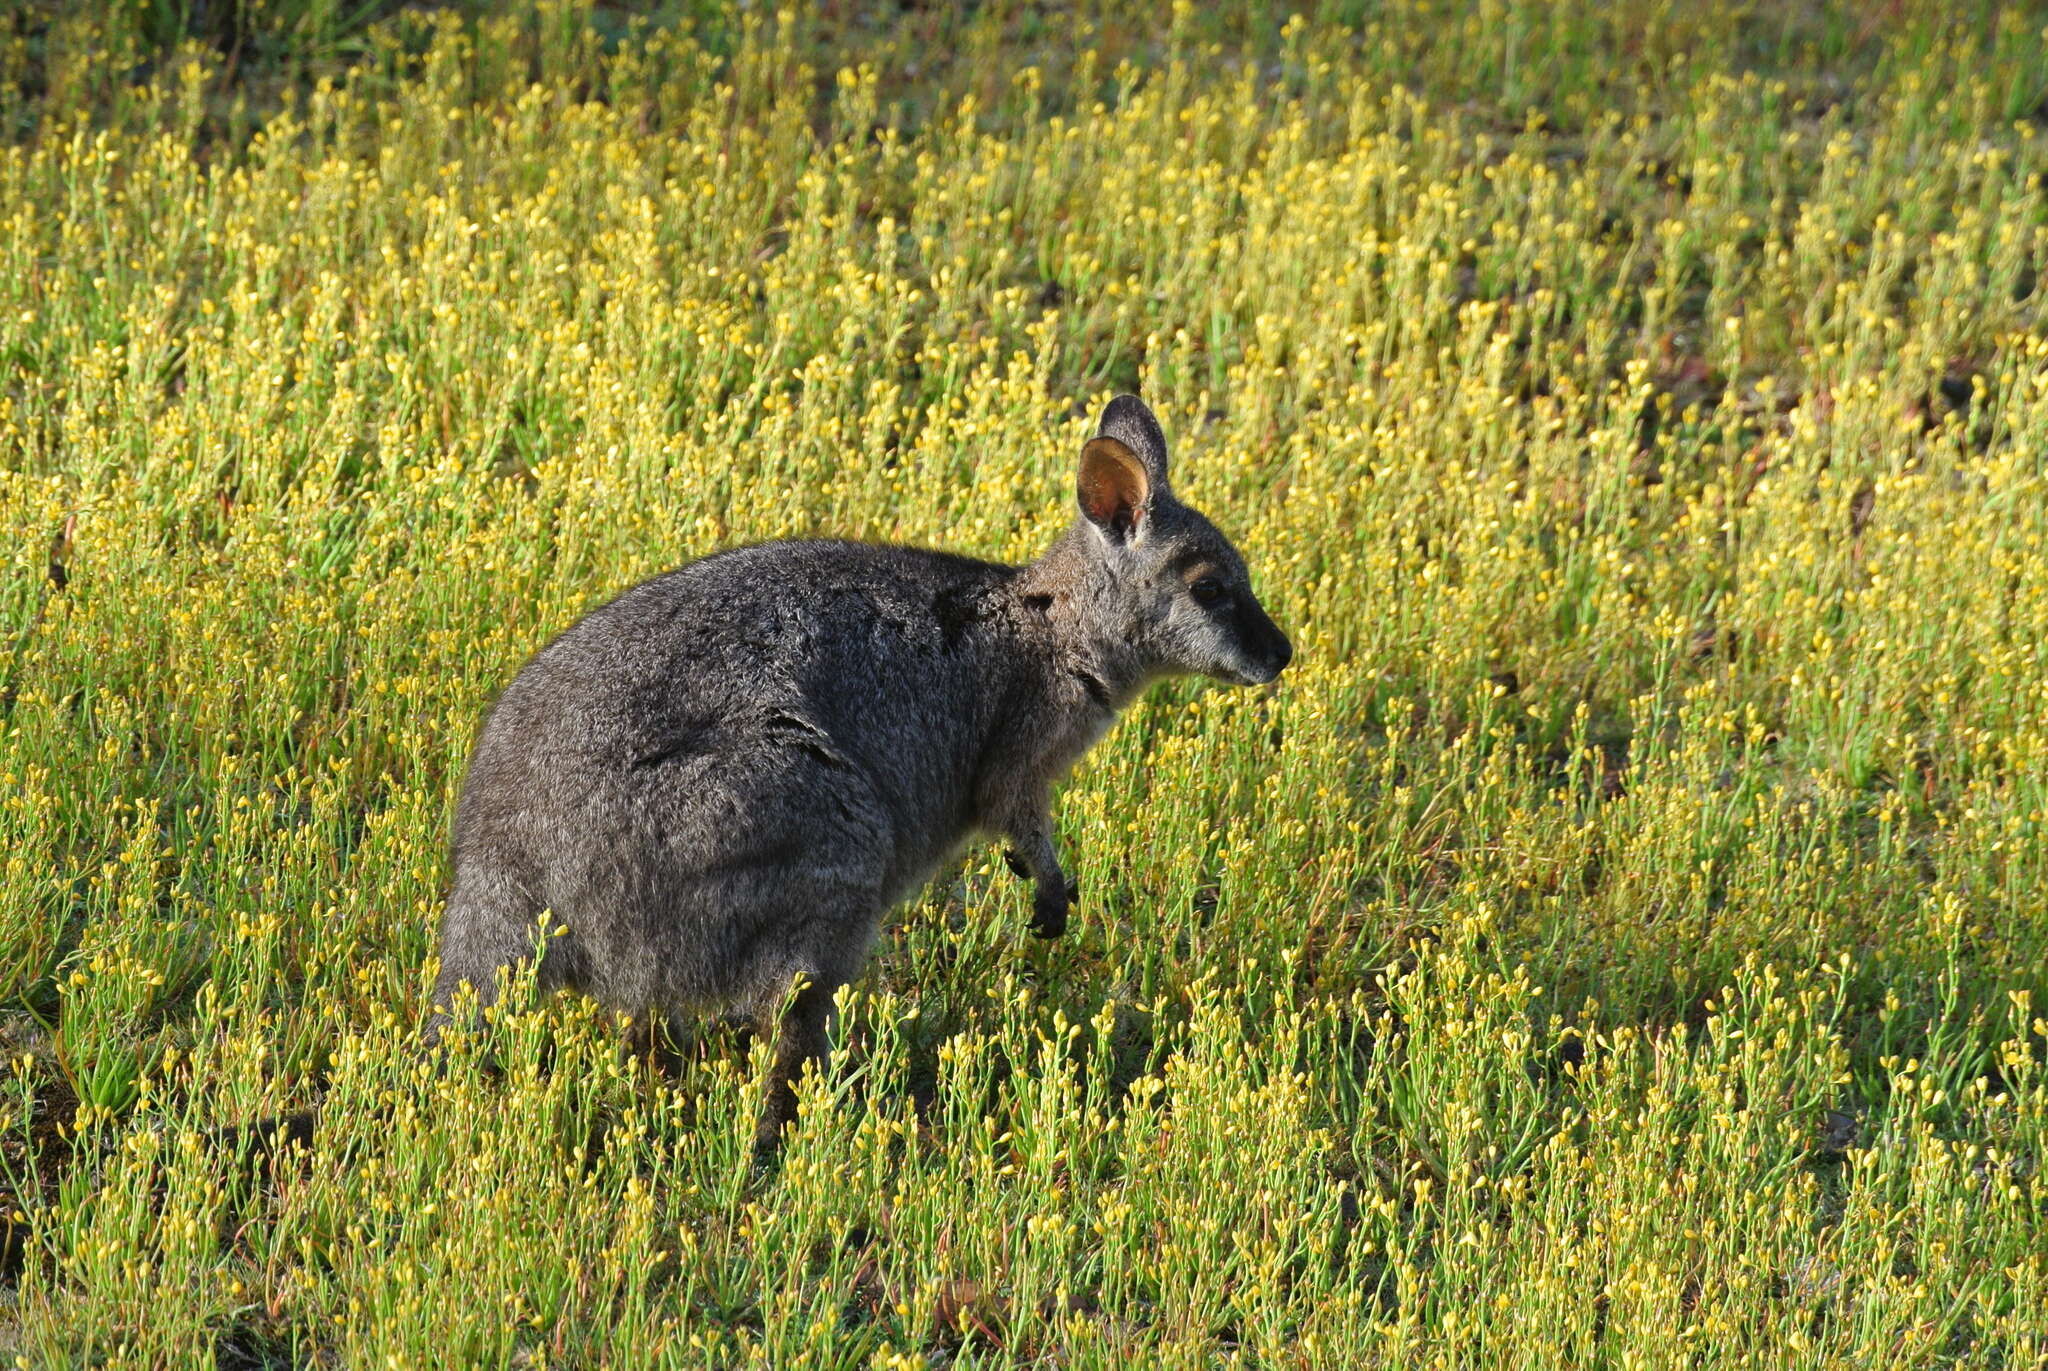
1165, 584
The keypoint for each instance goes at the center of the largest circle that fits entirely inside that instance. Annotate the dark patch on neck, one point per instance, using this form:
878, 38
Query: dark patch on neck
1097, 691
1039, 602
956, 610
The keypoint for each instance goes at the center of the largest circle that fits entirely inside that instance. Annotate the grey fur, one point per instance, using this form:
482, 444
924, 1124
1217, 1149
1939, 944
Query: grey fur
720, 781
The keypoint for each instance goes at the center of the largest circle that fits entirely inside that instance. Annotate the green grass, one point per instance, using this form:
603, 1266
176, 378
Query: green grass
1619, 940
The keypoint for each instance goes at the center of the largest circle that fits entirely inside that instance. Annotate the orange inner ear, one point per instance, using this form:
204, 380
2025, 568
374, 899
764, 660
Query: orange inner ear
1114, 487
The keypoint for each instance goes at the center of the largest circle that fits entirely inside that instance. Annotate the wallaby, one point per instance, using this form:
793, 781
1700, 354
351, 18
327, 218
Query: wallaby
718, 783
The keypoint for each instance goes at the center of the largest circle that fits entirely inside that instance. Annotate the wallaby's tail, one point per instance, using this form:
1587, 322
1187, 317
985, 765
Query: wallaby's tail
265, 1139
489, 925
492, 924
485, 927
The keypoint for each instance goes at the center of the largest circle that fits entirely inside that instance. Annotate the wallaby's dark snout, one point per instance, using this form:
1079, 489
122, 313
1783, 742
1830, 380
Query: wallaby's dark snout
719, 782
1265, 644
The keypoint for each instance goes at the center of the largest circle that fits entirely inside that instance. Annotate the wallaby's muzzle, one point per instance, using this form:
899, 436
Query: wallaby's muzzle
1266, 648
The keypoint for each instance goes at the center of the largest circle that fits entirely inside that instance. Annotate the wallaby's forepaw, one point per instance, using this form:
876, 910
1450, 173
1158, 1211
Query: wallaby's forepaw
1049, 908
1018, 866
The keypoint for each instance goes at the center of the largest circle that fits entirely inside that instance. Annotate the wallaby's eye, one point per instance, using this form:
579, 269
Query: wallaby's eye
1207, 591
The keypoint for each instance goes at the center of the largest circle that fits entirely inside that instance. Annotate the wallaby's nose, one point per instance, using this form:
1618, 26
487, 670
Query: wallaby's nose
1283, 652
1262, 640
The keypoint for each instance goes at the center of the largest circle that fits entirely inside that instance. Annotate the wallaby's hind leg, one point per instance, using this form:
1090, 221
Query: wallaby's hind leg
663, 1041
800, 1036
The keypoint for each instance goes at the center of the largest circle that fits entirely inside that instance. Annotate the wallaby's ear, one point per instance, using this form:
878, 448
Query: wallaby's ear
1115, 490
1127, 420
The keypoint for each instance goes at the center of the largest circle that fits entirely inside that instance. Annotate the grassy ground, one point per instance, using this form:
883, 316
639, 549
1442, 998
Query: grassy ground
1619, 940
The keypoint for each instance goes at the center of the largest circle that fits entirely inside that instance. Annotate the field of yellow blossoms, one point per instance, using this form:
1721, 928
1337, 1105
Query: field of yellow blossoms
1620, 940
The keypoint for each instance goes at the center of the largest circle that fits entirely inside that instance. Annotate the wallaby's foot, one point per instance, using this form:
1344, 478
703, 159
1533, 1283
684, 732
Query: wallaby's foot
800, 1038
1049, 906
768, 1138
778, 1111
653, 1041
